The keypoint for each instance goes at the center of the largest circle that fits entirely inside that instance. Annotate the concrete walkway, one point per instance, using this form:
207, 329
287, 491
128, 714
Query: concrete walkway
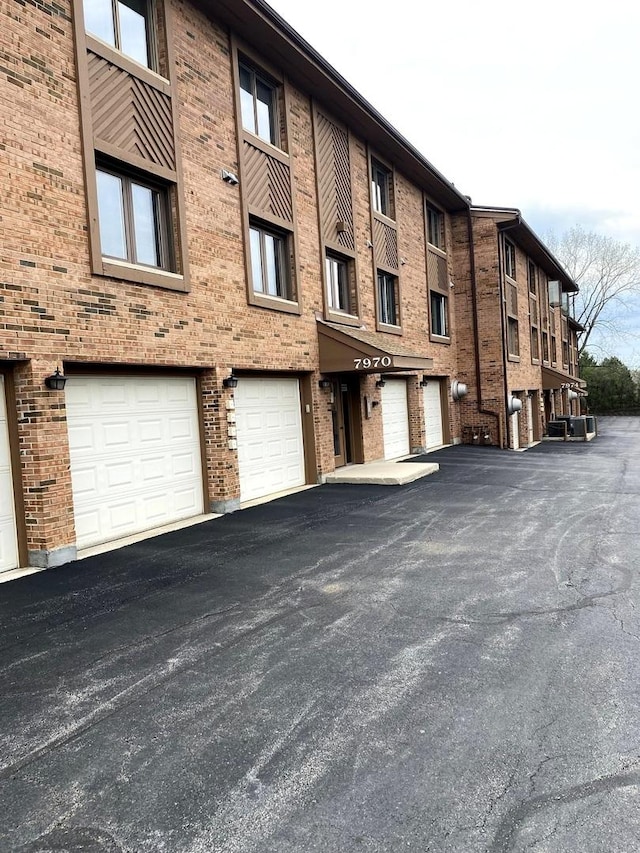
395, 472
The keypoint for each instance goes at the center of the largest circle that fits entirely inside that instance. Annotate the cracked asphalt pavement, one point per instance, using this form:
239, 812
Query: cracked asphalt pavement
449, 666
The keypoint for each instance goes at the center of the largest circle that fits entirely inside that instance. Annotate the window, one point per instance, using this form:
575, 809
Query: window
510, 259
381, 189
338, 284
124, 24
513, 340
554, 350
258, 105
134, 220
388, 298
535, 346
531, 276
269, 262
439, 325
435, 227
545, 346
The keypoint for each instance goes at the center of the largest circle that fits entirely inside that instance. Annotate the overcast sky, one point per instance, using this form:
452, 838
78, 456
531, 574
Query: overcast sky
526, 104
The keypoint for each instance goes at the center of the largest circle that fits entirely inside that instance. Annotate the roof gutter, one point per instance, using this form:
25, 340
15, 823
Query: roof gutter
257, 23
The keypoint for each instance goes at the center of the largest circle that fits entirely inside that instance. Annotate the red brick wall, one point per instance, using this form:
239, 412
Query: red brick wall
52, 310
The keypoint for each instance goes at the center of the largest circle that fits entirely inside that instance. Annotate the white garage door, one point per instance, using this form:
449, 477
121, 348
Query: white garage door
8, 538
395, 419
515, 431
269, 428
134, 444
433, 414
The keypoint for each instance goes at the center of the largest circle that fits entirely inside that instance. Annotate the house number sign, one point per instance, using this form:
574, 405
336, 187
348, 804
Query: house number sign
366, 363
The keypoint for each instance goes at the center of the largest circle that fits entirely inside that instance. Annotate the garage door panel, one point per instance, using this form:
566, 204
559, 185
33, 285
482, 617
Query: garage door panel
129, 452
395, 419
186, 500
113, 394
151, 430
87, 524
119, 474
269, 430
145, 393
113, 435
181, 428
8, 554
433, 415
8, 533
85, 481
82, 437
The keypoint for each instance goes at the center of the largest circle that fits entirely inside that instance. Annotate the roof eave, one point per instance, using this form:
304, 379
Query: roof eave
511, 219
260, 25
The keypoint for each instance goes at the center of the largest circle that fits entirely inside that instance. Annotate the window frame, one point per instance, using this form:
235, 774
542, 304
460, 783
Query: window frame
545, 348
434, 213
347, 264
264, 78
510, 263
382, 194
381, 304
532, 278
535, 338
151, 35
164, 227
513, 336
263, 298
442, 313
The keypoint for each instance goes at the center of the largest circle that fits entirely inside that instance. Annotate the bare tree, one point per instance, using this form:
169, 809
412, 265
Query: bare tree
608, 274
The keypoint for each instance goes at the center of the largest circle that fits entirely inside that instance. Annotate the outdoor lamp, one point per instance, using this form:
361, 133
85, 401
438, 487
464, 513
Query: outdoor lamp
56, 381
230, 382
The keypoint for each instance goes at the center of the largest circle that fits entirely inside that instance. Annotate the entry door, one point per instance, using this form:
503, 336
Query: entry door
530, 419
515, 430
547, 407
433, 414
341, 417
8, 536
395, 419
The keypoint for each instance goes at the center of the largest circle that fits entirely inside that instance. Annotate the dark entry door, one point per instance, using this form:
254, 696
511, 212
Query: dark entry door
342, 427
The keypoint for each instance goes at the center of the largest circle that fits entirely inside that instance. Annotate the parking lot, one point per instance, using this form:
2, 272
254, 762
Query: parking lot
448, 666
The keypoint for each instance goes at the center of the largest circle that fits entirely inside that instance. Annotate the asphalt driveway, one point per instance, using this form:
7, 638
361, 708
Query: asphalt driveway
449, 666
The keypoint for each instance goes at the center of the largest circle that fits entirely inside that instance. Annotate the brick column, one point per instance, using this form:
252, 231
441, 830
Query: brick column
417, 428
221, 462
45, 466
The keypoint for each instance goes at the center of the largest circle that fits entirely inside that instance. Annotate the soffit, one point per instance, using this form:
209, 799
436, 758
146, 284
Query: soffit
343, 350
259, 25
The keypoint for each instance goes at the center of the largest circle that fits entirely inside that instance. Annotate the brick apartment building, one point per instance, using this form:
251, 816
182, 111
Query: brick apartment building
517, 350
246, 275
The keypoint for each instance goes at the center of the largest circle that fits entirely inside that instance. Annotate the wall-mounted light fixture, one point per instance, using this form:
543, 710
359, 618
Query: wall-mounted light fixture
230, 382
458, 390
380, 383
324, 384
229, 177
514, 405
424, 382
56, 381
